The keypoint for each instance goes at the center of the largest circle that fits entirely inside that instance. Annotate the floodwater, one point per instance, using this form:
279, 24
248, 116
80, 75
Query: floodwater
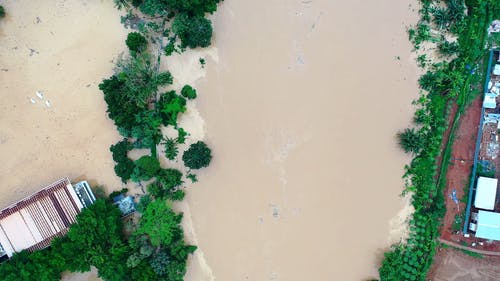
300, 102
63, 49
301, 111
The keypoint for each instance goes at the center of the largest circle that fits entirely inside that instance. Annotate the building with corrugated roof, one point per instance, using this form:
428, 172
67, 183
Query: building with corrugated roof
33, 222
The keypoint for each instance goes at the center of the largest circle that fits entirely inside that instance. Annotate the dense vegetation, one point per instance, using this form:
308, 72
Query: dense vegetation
97, 240
189, 22
136, 42
197, 156
450, 82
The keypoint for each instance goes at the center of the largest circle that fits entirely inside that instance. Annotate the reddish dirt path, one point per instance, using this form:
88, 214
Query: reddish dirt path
461, 161
458, 177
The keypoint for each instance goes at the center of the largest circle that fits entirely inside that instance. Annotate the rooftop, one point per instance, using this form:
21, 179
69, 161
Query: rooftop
33, 222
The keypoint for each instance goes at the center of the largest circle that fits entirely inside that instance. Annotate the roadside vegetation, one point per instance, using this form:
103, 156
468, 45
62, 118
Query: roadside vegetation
150, 247
456, 30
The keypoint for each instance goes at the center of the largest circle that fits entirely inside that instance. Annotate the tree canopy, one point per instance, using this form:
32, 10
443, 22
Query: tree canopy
136, 42
188, 92
197, 156
194, 31
160, 223
146, 167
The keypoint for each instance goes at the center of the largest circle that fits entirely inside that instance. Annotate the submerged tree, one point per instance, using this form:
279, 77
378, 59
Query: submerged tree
136, 42
146, 167
160, 223
410, 140
197, 156
188, 92
194, 31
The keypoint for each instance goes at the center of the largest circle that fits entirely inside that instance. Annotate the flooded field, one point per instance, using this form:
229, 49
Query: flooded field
62, 49
301, 101
301, 110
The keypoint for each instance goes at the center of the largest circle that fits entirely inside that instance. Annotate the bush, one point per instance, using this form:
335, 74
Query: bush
188, 92
171, 149
170, 106
194, 31
2, 12
410, 140
124, 166
146, 167
136, 42
197, 156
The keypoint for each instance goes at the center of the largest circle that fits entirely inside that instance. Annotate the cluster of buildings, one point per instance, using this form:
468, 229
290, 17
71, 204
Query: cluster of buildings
483, 209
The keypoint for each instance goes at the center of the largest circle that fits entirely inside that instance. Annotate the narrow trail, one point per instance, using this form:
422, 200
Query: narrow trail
455, 245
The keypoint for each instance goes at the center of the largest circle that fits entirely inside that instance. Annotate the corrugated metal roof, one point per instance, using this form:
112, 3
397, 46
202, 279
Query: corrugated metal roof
33, 222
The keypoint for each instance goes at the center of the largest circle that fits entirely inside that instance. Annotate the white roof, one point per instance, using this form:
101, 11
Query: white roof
488, 225
486, 192
489, 101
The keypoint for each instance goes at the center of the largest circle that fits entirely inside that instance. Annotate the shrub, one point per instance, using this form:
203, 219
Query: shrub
2, 12
170, 106
171, 149
146, 167
124, 166
188, 92
410, 140
136, 42
194, 31
143, 203
197, 156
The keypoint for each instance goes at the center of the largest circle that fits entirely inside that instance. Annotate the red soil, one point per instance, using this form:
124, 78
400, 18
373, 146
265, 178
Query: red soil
457, 178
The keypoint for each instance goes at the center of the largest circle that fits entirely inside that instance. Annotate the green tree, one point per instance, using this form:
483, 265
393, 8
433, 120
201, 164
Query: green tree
147, 131
160, 223
170, 106
2, 12
194, 31
197, 156
124, 166
140, 80
146, 167
410, 140
143, 203
159, 262
163, 7
97, 238
171, 149
136, 42
121, 109
188, 92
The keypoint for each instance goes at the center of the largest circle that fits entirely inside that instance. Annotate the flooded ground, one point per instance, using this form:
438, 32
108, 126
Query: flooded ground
62, 49
301, 111
301, 101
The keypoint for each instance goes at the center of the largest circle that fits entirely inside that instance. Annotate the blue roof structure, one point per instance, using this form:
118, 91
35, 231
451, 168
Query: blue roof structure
488, 225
